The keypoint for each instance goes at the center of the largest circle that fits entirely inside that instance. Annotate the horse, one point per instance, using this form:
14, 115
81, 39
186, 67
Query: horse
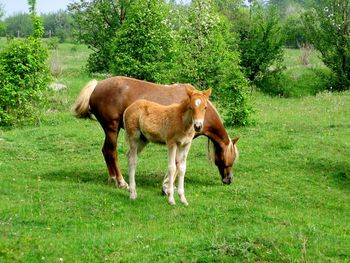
107, 100
174, 125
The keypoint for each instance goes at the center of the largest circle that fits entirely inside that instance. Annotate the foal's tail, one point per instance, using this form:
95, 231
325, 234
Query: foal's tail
81, 108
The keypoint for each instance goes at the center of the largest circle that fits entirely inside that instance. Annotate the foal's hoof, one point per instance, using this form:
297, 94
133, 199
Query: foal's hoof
184, 202
171, 201
133, 196
165, 190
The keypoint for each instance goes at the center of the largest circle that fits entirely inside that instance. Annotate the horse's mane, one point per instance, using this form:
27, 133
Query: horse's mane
210, 148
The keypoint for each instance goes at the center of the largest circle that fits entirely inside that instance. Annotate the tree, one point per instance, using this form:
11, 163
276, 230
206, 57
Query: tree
97, 23
208, 58
58, 24
143, 44
261, 41
328, 29
19, 25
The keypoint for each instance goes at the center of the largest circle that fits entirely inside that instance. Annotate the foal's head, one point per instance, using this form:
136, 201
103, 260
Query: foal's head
198, 106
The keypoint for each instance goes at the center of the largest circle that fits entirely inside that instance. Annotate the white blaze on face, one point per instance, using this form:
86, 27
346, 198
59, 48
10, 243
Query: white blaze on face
198, 123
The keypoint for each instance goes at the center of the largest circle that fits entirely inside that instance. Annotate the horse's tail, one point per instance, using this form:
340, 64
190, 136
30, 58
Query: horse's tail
81, 108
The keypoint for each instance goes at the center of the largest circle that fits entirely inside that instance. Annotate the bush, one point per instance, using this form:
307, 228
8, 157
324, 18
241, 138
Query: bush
294, 31
97, 23
52, 42
24, 76
142, 46
208, 58
296, 82
328, 30
261, 41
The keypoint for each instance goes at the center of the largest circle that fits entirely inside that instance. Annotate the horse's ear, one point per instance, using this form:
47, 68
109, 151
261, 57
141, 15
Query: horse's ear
234, 140
189, 91
207, 92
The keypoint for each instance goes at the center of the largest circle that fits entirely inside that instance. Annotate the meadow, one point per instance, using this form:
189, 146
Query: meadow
289, 202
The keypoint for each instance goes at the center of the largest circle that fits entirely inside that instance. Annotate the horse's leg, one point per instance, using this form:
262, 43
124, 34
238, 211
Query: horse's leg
110, 155
132, 161
136, 145
165, 183
183, 151
171, 172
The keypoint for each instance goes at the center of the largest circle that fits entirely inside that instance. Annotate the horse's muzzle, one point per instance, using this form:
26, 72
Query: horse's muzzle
198, 127
228, 179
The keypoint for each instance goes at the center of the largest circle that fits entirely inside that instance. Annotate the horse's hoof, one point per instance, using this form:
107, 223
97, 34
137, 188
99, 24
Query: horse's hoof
172, 202
123, 185
164, 191
133, 196
185, 203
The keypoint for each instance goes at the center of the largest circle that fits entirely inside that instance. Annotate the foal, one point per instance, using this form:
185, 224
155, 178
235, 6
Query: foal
174, 125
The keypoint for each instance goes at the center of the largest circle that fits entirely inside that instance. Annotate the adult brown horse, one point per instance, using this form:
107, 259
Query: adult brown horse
108, 99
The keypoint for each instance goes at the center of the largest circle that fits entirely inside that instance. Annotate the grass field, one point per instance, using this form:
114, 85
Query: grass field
290, 201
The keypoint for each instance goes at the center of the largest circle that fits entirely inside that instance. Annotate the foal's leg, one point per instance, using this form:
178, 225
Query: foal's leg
165, 183
171, 172
132, 161
110, 154
136, 145
183, 151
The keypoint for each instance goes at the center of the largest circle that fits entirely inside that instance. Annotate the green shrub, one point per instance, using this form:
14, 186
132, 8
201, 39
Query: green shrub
328, 30
261, 40
208, 58
97, 23
142, 46
24, 76
294, 31
52, 42
296, 82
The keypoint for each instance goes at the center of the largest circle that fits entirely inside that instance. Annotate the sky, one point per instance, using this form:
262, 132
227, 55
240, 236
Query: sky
42, 6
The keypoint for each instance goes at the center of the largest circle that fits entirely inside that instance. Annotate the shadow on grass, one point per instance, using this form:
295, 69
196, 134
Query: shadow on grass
81, 176
338, 171
144, 179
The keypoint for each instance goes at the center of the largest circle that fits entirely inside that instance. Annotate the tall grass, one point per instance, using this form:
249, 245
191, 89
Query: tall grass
289, 202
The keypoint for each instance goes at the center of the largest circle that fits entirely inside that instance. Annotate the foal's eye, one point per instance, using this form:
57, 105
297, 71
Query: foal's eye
206, 107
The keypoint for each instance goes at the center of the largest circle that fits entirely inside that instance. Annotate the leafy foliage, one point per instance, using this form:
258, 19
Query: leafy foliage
18, 25
261, 41
142, 46
193, 44
97, 22
208, 59
58, 24
294, 31
328, 29
23, 77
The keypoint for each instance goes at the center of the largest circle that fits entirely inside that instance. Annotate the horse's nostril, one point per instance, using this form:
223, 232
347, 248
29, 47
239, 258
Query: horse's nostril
198, 127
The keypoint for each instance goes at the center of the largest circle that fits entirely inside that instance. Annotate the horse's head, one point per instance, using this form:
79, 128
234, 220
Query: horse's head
198, 106
225, 156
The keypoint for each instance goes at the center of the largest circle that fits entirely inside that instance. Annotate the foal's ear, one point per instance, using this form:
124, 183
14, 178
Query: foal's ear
234, 140
189, 91
207, 92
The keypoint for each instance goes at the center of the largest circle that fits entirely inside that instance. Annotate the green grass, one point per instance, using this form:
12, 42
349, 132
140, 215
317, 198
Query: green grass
290, 200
